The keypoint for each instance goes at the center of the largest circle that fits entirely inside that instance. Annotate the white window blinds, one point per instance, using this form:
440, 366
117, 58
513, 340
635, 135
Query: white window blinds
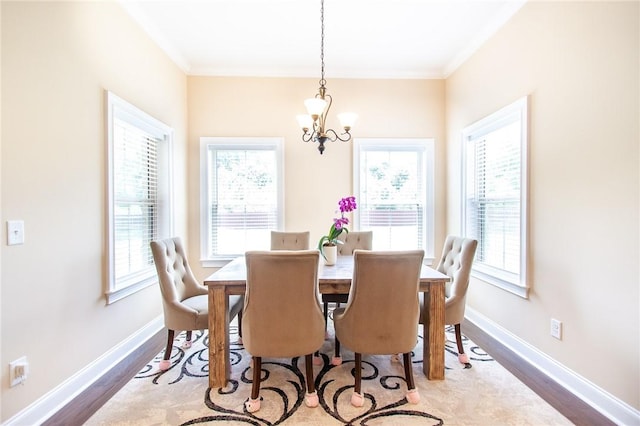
135, 198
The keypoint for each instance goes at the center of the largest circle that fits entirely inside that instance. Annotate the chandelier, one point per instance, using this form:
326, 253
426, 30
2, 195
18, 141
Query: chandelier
313, 123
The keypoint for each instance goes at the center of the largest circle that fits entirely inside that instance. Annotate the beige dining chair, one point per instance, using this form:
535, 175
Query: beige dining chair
350, 242
184, 300
381, 315
289, 240
282, 313
281, 241
456, 261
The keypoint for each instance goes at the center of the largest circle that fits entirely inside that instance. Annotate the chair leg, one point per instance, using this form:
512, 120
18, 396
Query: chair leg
253, 404
357, 399
462, 357
412, 393
325, 309
337, 358
165, 363
311, 398
240, 327
187, 342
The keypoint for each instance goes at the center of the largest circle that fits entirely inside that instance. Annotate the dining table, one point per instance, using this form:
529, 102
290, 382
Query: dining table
332, 279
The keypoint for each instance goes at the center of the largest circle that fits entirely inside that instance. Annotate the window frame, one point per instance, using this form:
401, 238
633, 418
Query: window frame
517, 112
275, 144
427, 147
118, 108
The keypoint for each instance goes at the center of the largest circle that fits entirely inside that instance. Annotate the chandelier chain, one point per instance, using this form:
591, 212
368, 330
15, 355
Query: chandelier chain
322, 80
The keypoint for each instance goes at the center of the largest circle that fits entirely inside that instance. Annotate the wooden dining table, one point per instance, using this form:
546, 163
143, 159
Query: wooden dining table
334, 279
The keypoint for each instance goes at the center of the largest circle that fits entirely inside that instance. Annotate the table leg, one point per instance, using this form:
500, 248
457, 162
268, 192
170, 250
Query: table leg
433, 339
219, 369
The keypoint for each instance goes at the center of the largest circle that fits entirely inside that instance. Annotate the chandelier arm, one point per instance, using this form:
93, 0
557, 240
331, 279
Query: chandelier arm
333, 136
307, 137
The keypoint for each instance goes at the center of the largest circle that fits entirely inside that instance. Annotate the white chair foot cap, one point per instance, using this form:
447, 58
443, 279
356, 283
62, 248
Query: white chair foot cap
395, 358
336, 360
463, 358
317, 360
252, 405
357, 400
311, 399
164, 365
186, 344
413, 396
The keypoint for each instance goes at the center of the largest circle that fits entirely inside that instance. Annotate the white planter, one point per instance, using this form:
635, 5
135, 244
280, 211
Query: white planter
330, 253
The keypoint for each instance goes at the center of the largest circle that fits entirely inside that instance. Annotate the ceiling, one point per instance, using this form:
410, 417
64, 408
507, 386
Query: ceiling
281, 38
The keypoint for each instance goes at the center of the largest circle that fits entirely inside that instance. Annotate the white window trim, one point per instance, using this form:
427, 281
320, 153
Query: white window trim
116, 106
400, 144
515, 283
234, 143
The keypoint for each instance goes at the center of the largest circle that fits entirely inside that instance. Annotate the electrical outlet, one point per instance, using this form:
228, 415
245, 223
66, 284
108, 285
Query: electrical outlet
18, 371
556, 329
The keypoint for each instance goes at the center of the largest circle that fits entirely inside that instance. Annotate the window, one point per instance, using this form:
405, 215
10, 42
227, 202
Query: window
139, 195
394, 181
495, 194
242, 196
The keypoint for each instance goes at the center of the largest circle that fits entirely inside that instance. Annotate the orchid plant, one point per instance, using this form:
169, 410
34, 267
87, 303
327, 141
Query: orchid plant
339, 225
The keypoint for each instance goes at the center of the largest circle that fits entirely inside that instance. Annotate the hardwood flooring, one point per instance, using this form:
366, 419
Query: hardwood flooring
88, 402
573, 408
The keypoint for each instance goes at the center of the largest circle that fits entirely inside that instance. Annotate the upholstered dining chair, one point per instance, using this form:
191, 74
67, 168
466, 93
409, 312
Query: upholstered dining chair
456, 261
381, 315
289, 240
282, 314
350, 241
184, 300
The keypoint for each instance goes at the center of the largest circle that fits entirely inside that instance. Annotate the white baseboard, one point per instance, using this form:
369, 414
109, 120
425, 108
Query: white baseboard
616, 410
54, 400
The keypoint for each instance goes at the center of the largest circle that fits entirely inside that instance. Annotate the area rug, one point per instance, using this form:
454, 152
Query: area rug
485, 394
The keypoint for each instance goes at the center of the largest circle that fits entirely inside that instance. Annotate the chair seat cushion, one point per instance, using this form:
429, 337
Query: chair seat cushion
199, 303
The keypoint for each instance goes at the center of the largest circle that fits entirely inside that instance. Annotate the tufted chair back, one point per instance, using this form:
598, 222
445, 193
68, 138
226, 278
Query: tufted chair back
355, 240
456, 261
177, 282
289, 240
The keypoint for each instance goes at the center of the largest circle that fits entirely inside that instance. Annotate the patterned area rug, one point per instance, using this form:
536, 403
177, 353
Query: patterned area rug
485, 394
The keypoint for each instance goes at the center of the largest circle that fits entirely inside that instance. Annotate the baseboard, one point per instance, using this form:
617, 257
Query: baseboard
54, 400
613, 408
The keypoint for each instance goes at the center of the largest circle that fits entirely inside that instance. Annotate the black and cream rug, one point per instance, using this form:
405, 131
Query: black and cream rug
485, 394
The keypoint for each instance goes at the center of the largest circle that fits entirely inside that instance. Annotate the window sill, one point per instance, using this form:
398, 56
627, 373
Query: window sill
117, 294
217, 262
518, 290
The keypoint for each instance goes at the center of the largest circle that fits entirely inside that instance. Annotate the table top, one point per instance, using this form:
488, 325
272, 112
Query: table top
235, 273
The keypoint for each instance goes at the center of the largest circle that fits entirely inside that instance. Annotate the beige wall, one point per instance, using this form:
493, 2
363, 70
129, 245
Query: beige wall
313, 183
57, 59
579, 63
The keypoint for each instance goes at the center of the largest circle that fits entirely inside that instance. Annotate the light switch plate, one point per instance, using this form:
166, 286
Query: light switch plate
15, 232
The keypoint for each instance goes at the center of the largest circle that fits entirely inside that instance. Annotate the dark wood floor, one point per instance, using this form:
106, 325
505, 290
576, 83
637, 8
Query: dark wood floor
88, 402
